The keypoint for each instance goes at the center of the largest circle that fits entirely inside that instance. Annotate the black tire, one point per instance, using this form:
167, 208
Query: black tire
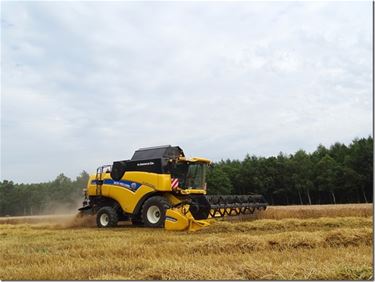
153, 211
106, 217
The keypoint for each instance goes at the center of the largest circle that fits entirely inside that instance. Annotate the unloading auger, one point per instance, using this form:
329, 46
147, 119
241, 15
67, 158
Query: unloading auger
160, 187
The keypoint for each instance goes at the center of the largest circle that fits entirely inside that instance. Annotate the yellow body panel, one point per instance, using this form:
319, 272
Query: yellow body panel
131, 188
128, 199
176, 220
172, 199
179, 219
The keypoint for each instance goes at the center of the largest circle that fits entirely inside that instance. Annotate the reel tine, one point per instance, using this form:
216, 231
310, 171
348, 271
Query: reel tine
234, 205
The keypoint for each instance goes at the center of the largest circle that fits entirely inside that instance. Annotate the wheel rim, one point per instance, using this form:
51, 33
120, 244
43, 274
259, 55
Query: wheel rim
153, 214
104, 219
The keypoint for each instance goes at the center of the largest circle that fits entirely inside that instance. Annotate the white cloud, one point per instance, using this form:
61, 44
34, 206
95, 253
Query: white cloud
88, 83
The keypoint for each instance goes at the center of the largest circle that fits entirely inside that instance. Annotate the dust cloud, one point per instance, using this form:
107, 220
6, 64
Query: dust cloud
53, 221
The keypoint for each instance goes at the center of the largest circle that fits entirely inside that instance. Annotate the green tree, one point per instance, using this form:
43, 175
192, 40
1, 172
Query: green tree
218, 182
7, 197
327, 169
302, 174
360, 159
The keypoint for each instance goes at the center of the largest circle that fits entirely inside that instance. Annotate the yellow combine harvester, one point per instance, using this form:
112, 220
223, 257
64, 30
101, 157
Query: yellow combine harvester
160, 187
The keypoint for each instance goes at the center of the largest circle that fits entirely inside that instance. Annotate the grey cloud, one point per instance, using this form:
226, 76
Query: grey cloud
88, 83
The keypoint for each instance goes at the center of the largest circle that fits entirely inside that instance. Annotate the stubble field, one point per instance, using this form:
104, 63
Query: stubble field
308, 242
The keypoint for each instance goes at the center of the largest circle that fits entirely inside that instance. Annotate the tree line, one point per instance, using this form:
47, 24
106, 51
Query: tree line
59, 196
338, 174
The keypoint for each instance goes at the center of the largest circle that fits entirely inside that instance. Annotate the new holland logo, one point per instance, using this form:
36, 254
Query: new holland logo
121, 184
148, 163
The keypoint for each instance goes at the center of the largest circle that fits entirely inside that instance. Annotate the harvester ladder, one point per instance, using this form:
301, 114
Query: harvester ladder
99, 177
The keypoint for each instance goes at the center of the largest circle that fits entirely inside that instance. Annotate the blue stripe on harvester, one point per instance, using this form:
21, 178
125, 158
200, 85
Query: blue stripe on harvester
123, 183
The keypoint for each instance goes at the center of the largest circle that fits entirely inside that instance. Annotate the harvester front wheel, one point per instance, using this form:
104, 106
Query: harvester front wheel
153, 211
106, 217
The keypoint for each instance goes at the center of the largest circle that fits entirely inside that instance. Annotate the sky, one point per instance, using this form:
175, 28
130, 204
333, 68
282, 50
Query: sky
87, 83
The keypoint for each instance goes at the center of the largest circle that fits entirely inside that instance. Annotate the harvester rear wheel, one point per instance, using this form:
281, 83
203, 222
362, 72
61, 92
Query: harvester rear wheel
106, 217
153, 211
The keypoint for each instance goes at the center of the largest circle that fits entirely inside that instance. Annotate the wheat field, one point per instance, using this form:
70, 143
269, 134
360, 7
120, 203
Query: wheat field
288, 243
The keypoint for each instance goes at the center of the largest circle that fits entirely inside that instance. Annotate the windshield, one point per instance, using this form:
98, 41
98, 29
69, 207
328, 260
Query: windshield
191, 175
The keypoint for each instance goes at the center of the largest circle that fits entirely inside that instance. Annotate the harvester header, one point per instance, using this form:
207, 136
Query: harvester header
160, 187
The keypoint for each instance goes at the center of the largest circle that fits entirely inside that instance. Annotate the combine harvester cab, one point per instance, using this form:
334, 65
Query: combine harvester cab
160, 187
